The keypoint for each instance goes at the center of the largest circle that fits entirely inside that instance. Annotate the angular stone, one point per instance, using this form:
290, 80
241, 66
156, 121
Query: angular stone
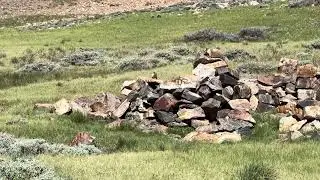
311, 112
191, 96
252, 85
125, 91
62, 107
287, 66
122, 109
165, 103
264, 89
178, 93
169, 86
205, 60
266, 99
150, 114
228, 124
311, 129
295, 135
289, 98
228, 92
49, 107
214, 53
131, 85
262, 107
77, 108
254, 102
280, 92
212, 82
134, 116
306, 94
307, 70
242, 91
221, 98
240, 104
285, 123
290, 88
306, 83
235, 114
197, 113
228, 137
218, 64
222, 70
266, 80
297, 126
305, 103
228, 80
204, 91
164, 117
210, 108
198, 123
202, 70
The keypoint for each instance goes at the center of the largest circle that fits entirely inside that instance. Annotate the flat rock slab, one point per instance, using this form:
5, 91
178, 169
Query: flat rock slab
164, 117
306, 83
191, 96
235, 114
266, 99
122, 109
203, 70
217, 138
240, 104
228, 124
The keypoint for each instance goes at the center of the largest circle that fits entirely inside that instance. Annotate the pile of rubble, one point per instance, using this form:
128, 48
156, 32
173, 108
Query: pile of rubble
294, 92
214, 101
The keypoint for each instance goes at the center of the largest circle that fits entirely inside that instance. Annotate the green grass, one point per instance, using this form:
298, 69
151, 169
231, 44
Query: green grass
142, 30
202, 161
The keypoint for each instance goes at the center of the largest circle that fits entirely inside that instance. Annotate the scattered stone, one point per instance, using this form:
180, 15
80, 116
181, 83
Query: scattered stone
235, 114
213, 138
202, 70
228, 80
254, 102
295, 135
228, 124
280, 92
49, 107
228, 92
290, 88
306, 83
266, 99
204, 91
196, 113
62, 107
240, 104
262, 107
82, 138
211, 128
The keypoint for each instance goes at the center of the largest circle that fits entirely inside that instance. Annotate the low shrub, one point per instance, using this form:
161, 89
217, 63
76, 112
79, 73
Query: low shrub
209, 35
256, 171
25, 169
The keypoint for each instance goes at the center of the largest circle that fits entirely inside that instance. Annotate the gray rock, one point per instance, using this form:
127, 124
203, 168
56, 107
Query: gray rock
228, 124
240, 104
191, 96
210, 108
306, 94
198, 123
266, 99
204, 91
290, 88
306, 83
228, 80
164, 117
242, 91
228, 92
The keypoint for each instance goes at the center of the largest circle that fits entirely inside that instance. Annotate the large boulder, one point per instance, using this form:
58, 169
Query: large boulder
62, 107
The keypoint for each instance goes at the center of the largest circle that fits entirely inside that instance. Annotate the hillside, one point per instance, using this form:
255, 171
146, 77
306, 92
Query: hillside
76, 7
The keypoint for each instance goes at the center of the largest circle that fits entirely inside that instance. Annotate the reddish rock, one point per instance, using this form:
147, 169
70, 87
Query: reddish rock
165, 103
271, 80
240, 104
307, 71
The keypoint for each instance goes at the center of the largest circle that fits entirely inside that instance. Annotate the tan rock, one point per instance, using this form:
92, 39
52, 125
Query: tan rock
307, 70
306, 94
214, 53
203, 70
285, 124
228, 137
198, 123
254, 102
201, 136
295, 135
121, 110
126, 91
62, 107
298, 125
312, 112
287, 66
184, 114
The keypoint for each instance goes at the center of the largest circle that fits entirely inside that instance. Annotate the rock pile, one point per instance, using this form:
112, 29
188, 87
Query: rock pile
294, 92
214, 101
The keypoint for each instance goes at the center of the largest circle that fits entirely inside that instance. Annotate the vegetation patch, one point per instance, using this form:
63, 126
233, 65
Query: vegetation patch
256, 171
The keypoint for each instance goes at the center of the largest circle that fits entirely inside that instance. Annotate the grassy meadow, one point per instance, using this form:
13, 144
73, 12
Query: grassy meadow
134, 155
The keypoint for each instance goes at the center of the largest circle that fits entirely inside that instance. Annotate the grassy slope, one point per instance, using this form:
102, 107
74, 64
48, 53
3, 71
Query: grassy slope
291, 161
140, 30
